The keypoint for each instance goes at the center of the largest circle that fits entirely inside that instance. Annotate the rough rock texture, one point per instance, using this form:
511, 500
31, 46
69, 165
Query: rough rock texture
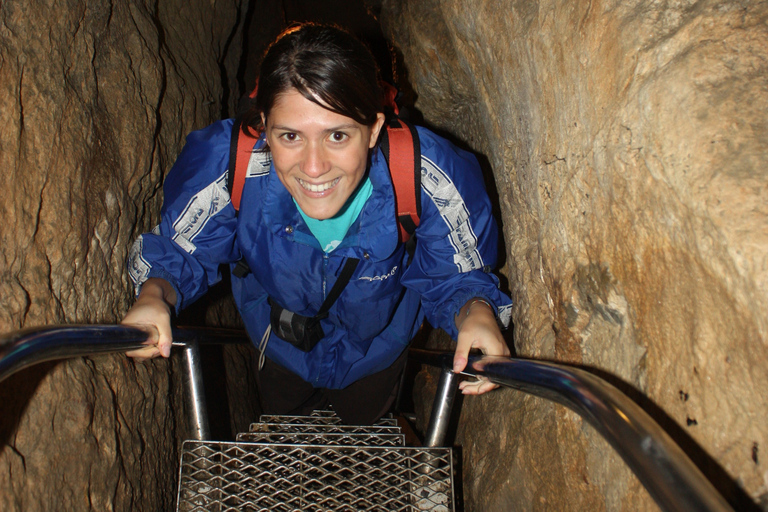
628, 140
628, 143
95, 100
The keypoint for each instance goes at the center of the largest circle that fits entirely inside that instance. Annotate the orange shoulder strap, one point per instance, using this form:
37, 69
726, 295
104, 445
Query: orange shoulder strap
240, 151
400, 144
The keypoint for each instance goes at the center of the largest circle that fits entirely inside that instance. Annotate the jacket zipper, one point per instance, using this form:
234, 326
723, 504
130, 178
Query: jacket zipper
325, 272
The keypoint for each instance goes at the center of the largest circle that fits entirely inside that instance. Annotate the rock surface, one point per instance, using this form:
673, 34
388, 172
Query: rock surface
97, 97
628, 141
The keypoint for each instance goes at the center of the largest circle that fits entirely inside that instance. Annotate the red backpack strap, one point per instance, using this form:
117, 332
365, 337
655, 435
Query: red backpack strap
400, 144
391, 95
240, 151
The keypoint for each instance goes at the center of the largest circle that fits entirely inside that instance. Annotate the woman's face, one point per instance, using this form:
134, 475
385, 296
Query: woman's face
320, 156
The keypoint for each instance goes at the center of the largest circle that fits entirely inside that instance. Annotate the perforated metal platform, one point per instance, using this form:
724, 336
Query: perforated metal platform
328, 439
317, 418
322, 429
352, 470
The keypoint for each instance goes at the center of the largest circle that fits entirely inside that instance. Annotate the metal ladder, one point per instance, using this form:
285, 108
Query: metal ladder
314, 463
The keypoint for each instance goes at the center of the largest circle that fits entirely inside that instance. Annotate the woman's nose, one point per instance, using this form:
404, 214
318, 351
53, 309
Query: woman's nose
315, 161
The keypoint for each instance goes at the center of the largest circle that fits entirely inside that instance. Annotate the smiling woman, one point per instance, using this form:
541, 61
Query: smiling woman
332, 298
320, 156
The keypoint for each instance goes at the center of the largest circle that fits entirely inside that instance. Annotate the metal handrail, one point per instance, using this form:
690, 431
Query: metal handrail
28, 347
670, 477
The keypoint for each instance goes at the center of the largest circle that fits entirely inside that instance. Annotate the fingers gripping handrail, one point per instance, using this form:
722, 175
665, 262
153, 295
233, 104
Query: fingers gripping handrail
670, 477
28, 347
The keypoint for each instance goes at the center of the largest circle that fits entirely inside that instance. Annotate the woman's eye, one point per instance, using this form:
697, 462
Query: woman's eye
289, 136
338, 136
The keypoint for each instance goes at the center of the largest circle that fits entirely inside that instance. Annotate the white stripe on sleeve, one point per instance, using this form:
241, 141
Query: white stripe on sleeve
439, 187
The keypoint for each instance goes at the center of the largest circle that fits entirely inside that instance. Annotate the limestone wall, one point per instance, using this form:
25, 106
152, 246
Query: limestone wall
96, 98
628, 140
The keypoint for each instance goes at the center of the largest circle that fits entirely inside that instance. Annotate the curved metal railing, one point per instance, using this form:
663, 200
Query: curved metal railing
28, 347
661, 466
670, 477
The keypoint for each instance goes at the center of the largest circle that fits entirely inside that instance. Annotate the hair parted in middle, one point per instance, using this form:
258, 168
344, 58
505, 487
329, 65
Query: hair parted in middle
326, 65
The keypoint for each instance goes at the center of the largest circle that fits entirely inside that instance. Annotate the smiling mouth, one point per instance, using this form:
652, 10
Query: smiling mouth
322, 187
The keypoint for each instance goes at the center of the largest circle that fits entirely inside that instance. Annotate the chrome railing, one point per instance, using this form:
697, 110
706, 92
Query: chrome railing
661, 466
672, 480
28, 347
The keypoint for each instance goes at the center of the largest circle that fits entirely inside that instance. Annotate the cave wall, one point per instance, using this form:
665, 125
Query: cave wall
627, 141
96, 98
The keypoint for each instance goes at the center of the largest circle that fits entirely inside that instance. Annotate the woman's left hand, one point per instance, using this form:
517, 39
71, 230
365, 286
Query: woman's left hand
477, 329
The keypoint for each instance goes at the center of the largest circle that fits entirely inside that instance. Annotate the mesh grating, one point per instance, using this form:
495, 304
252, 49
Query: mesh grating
326, 419
322, 429
331, 412
330, 439
267, 477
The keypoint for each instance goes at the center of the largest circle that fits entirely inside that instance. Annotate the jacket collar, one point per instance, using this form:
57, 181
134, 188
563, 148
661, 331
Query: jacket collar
374, 232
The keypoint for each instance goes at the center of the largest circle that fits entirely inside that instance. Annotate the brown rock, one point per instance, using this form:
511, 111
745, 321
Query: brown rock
628, 143
628, 146
96, 98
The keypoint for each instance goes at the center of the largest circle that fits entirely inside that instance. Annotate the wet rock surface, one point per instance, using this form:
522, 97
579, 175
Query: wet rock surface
627, 142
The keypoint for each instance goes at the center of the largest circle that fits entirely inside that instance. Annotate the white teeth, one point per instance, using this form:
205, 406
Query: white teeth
318, 188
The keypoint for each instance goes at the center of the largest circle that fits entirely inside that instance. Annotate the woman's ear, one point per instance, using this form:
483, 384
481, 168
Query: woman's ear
376, 129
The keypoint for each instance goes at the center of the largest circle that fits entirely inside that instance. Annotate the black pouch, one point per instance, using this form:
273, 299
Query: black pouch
303, 332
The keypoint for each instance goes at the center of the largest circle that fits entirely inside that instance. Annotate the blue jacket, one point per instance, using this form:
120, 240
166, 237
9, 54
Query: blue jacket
385, 301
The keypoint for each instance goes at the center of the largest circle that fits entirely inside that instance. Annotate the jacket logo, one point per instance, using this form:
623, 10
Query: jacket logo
380, 278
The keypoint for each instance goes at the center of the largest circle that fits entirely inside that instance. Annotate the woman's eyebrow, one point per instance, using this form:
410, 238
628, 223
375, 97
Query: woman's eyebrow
348, 126
341, 127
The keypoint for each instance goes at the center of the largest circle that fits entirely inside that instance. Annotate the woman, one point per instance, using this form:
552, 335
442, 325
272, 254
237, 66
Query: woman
319, 194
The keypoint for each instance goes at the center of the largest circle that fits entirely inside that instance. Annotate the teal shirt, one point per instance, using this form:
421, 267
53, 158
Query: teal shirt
330, 232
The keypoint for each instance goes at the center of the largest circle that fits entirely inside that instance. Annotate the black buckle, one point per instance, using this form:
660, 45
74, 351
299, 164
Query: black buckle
303, 332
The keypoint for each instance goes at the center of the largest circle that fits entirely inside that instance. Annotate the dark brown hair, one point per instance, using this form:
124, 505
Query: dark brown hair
327, 65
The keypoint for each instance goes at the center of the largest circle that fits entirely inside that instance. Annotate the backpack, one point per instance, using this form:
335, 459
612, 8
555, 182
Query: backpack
399, 142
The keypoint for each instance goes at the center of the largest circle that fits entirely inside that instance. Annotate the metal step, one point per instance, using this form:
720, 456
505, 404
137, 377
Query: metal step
217, 476
324, 438
313, 463
331, 412
328, 418
322, 429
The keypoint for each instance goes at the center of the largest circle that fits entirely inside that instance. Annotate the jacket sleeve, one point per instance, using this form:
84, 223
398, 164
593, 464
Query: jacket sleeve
196, 233
457, 237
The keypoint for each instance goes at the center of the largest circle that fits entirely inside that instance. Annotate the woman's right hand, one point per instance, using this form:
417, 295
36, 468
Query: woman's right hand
153, 309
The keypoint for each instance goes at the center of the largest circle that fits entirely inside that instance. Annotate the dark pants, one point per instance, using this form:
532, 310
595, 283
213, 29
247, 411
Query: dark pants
361, 403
